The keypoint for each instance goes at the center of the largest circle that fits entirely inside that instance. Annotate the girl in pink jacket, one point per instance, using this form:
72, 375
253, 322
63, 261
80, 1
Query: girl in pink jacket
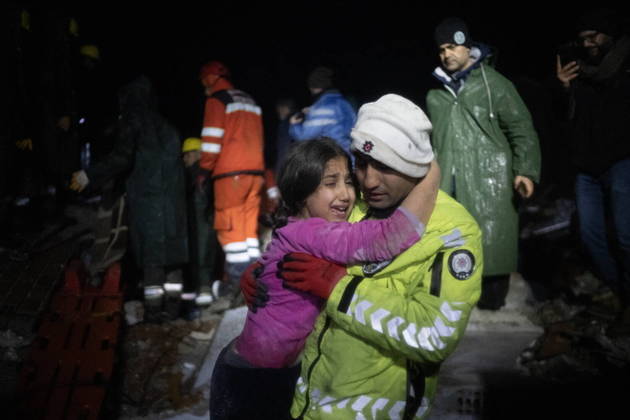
255, 375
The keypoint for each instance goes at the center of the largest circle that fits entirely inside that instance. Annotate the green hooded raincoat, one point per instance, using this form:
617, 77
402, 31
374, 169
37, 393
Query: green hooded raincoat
483, 137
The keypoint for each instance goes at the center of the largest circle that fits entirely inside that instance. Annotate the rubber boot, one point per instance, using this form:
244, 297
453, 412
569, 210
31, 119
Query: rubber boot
494, 290
153, 304
173, 291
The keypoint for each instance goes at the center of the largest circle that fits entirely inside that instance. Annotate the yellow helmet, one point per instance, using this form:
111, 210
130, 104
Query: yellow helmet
73, 27
25, 20
91, 51
191, 144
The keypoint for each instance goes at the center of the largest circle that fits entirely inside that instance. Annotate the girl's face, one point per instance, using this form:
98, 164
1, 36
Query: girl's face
334, 197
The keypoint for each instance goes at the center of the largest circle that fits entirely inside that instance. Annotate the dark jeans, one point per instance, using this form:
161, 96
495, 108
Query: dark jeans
593, 196
243, 393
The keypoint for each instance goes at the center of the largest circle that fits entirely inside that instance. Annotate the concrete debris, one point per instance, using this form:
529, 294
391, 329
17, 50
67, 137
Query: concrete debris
470, 402
202, 336
554, 311
550, 217
10, 343
585, 284
161, 364
134, 312
577, 344
9, 339
220, 305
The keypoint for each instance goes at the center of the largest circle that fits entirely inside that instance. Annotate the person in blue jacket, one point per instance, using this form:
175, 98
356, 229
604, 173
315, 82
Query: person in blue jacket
330, 115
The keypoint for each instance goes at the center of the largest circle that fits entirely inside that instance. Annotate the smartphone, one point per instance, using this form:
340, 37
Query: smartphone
569, 52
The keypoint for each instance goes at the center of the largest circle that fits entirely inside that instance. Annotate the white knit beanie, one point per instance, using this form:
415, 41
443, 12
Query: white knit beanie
396, 132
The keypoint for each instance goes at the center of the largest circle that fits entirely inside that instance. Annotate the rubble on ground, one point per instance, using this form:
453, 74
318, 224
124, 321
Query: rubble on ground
11, 344
585, 335
160, 363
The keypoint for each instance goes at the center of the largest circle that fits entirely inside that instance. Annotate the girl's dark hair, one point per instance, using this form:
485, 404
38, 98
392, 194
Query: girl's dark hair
302, 173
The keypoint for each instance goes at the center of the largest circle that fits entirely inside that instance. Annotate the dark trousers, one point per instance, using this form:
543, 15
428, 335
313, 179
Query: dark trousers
238, 392
494, 290
202, 240
593, 196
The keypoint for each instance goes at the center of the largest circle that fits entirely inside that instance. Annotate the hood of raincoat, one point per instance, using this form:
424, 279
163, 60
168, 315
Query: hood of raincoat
137, 96
455, 81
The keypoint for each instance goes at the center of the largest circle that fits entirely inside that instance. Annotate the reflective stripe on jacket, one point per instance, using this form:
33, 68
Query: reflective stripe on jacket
330, 116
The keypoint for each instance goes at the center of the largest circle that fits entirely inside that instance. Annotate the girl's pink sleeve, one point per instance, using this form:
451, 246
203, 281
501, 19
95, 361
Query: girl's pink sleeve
350, 243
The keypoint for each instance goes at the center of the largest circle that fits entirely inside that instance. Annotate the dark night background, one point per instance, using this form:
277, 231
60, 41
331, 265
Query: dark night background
270, 47
376, 49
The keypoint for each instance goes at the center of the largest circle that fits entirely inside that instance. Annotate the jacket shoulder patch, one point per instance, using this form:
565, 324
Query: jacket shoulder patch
461, 264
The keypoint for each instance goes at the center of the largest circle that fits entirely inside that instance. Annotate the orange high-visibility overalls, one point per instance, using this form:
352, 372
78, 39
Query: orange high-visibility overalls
232, 149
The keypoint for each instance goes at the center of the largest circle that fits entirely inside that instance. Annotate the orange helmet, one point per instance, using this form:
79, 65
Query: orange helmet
214, 67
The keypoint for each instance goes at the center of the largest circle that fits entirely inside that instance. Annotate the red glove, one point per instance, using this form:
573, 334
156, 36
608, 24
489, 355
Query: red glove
254, 292
310, 274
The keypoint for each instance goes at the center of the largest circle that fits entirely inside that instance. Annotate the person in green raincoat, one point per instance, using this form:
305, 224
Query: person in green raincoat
487, 147
147, 156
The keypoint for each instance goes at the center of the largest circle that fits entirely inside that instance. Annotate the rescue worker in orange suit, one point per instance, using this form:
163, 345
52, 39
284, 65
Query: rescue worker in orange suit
232, 158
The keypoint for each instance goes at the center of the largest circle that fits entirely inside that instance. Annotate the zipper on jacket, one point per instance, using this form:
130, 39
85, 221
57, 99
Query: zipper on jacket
485, 82
310, 369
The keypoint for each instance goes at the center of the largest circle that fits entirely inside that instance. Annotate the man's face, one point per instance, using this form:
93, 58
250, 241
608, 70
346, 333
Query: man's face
191, 157
382, 186
595, 43
454, 57
315, 91
283, 111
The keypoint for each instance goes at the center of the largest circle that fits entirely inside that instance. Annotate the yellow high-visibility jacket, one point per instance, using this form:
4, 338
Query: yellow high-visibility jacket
378, 344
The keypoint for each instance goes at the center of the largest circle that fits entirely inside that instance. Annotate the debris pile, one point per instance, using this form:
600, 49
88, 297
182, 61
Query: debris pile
160, 366
10, 345
586, 335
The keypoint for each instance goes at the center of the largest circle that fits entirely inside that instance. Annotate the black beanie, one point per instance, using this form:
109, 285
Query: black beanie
453, 30
601, 20
320, 77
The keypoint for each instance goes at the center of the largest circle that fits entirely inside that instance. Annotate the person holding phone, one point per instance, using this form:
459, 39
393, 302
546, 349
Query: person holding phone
597, 88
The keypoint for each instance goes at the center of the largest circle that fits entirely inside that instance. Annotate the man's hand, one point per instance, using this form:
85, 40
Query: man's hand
296, 118
567, 72
524, 186
79, 181
310, 274
254, 291
24, 144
